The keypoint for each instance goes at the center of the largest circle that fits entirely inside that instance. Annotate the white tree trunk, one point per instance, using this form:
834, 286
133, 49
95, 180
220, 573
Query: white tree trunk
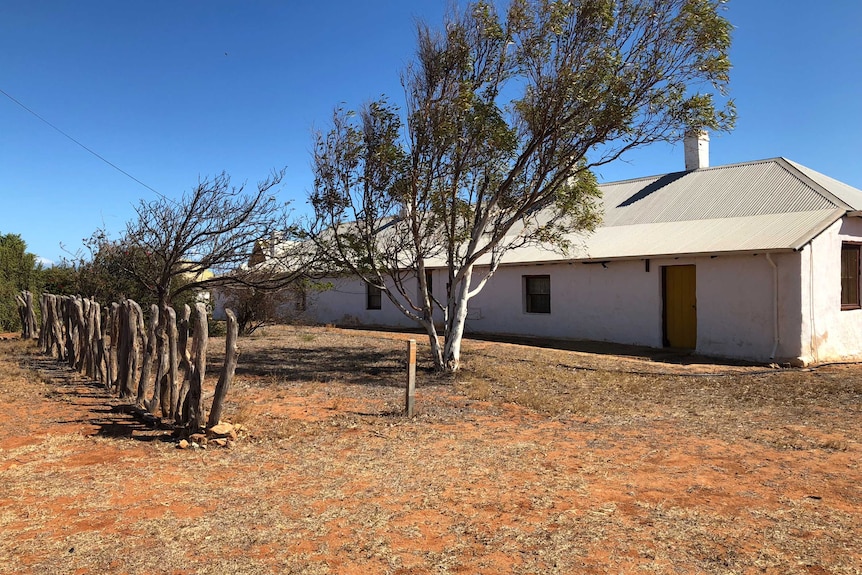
434, 341
452, 349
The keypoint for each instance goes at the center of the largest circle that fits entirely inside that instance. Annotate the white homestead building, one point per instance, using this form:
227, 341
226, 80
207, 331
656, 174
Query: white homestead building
757, 261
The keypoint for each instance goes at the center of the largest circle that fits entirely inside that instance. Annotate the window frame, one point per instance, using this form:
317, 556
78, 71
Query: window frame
851, 278
373, 297
531, 306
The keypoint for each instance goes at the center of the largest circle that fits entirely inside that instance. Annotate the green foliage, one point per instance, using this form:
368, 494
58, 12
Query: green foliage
18, 271
60, 279
216, 328
110, 274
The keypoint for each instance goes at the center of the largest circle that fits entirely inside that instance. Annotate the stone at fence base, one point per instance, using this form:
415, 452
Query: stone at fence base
198, 438
222, 429
183, 444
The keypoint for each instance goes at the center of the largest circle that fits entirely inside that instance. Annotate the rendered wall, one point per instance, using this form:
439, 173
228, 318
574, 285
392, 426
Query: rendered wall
736, 307
620, 302
345, 304
829, 333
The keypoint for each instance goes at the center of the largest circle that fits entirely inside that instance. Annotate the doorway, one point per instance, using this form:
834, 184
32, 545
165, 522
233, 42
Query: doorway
679, 302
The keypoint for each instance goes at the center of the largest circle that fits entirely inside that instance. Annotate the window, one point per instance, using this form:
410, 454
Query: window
850, 276
429, 281
538, 294
373, 297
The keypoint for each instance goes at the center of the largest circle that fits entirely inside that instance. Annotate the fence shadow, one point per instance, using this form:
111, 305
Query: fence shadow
93, 407
358, 366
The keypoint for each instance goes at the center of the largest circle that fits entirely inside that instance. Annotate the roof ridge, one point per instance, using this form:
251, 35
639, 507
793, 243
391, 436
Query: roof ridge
707, 169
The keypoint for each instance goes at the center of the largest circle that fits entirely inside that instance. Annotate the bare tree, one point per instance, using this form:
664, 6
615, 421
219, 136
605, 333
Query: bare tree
255, 308
505, 118
207, 238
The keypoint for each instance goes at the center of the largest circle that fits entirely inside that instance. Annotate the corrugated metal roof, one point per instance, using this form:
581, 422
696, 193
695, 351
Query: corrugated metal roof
765, 205
739, 190
758, 233
847, 194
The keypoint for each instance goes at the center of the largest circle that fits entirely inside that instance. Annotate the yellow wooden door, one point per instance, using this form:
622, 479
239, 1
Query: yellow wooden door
680, 306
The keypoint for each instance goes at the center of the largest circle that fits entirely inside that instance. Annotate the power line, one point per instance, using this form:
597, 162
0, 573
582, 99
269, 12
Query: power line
113, 165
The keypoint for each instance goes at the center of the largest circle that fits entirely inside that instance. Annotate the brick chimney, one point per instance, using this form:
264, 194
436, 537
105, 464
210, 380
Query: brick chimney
696, 144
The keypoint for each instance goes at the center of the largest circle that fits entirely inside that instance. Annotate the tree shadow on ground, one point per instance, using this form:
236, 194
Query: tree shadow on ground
670, 355
664, 355
377, 368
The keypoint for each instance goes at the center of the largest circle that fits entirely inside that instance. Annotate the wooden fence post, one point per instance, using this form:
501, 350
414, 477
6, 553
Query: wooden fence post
231, 354
97, 345
84, 363
26, 314
113, 329
170, 410
410, 394
194, 415
43, 333
185, 363
147, 363
130, 347
58, 337
80, 341
71, 330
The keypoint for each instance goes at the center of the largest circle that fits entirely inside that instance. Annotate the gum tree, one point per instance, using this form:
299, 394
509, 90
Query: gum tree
506, 115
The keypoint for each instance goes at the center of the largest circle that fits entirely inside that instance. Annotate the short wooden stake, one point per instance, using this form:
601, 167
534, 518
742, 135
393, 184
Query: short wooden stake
410, 395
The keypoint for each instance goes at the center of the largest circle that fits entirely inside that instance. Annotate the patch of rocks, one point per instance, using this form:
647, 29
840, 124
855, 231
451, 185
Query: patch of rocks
222, 434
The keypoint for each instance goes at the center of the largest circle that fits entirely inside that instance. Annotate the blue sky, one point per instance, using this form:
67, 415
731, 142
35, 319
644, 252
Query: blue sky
173, 91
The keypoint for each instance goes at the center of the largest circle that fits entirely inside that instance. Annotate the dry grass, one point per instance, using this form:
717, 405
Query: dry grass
532, 460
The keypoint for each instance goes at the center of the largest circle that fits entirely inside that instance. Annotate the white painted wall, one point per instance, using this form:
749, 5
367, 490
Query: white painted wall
621, 303
735, 304
829, 333
345, 304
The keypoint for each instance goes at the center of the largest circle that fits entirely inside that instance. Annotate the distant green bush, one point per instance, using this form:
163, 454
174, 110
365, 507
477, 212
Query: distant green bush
216, 328
18, 271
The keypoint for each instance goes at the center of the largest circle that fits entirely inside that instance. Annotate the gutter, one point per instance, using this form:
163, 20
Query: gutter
636, 257
775, 336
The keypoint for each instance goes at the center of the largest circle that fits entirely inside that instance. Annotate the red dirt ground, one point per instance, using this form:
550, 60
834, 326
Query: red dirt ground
330, 481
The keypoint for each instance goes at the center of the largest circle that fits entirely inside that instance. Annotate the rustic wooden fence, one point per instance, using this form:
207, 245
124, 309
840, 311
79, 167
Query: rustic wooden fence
27, 314
150, 365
